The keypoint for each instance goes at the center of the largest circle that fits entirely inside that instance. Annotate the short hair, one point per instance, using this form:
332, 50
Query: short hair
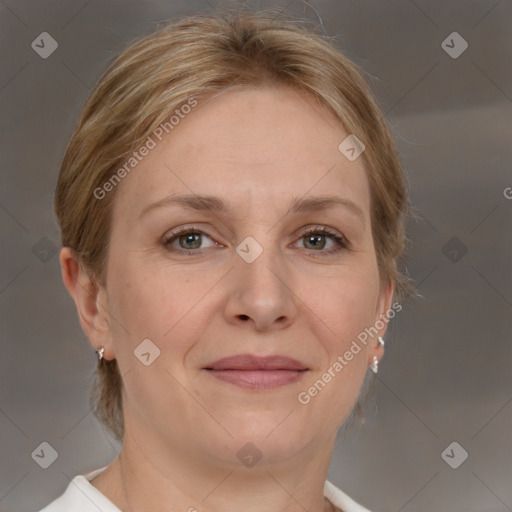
194, 57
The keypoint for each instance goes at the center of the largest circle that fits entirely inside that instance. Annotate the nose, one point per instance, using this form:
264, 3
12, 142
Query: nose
261, 294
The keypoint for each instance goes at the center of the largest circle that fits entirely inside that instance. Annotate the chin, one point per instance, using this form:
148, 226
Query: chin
277, 441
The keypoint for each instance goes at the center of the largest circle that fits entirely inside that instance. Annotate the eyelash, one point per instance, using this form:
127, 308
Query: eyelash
340, 241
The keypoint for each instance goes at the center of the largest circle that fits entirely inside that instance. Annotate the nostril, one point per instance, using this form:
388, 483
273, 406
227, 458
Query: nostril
244, 317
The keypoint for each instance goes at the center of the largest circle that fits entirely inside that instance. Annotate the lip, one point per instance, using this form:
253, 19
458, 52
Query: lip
252, 362
257, 373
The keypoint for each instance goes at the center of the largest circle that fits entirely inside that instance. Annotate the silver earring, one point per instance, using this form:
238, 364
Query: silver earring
381, 341
100, 353
374, 367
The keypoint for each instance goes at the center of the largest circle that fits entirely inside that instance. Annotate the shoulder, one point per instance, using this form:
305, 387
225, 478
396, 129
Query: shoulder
81, 496
341, 500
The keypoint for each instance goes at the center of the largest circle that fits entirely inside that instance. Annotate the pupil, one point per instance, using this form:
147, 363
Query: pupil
189, 239
314, 241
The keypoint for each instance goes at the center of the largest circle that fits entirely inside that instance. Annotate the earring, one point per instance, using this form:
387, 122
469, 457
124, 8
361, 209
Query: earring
374, 367
100, 353
381, 341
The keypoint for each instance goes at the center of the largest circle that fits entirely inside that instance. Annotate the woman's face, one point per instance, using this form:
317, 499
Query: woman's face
204, 283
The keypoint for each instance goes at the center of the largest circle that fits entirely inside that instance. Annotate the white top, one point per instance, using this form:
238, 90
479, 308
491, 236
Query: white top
82, 496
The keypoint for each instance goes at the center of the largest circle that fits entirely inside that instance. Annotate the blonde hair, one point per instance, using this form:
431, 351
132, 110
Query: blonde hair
194, 57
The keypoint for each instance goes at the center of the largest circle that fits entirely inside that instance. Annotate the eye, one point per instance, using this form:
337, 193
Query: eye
186, 240
189, 240
317, 239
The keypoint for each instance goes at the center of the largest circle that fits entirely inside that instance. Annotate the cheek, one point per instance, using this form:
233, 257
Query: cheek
144, 306
346, 304
147, 303
343, 312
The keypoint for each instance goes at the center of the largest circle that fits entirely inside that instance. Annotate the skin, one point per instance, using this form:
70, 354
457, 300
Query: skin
257, 149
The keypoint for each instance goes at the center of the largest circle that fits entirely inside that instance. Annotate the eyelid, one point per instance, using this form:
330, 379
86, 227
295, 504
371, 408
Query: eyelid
320, 228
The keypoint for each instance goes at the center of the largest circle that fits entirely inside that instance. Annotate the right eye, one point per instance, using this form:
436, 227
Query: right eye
186, 240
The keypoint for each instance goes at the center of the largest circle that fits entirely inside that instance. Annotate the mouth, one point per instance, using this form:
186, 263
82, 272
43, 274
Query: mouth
257, 373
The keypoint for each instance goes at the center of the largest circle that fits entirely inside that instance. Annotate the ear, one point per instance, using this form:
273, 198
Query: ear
382, 319
90, 301
384, 305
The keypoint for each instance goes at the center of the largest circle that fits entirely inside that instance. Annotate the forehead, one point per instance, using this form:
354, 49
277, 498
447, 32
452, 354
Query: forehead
250, 146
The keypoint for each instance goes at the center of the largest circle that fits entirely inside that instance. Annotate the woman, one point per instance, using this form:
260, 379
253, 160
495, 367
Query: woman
231, 206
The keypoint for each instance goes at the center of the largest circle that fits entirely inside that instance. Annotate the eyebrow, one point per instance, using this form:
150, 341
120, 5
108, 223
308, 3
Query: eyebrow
217, 205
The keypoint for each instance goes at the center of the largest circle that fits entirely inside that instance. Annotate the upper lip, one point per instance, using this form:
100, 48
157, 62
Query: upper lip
252, 362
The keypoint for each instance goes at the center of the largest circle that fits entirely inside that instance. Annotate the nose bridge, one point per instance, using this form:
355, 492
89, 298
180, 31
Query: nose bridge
261, 289
265, 274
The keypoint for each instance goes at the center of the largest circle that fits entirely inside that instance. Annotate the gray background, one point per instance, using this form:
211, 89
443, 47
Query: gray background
446, 375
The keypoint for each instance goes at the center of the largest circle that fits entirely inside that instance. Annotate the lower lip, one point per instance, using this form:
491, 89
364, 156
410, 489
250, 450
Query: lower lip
258, 379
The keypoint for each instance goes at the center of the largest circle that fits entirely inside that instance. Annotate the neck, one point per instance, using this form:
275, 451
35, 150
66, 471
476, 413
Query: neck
147, 477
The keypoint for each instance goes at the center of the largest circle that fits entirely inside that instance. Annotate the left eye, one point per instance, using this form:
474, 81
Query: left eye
317, 239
